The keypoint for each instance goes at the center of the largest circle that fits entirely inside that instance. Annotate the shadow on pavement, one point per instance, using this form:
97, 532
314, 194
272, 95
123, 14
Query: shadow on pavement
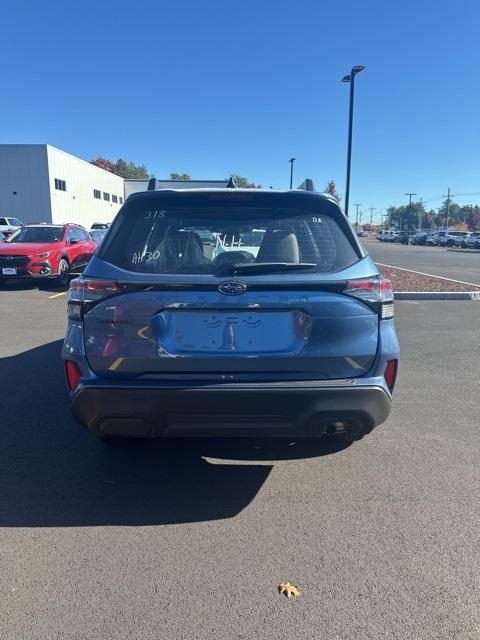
55, 474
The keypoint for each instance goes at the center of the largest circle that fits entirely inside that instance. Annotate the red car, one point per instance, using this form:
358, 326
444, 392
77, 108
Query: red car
45, 251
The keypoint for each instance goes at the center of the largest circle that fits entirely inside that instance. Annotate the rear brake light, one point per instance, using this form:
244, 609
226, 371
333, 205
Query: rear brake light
85, 293
376, 291
390, 374
73, 374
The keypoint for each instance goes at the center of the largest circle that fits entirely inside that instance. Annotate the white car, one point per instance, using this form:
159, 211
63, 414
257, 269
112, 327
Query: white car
9, 225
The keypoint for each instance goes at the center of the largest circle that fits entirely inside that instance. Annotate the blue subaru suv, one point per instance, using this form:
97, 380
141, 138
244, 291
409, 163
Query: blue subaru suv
230, 312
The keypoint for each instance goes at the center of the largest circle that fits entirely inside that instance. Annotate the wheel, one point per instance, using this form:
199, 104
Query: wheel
450, 243
63, 277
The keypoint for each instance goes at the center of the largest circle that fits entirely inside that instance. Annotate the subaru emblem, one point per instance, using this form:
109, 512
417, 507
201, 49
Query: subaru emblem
232, 288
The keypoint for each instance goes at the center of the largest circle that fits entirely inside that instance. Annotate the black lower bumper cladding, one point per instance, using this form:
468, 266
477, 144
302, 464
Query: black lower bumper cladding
228, 410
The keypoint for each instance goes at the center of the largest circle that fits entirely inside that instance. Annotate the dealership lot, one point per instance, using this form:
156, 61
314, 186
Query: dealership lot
190, 540
458, 265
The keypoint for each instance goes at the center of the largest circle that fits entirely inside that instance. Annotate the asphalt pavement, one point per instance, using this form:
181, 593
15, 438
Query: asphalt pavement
437, 261
190, 539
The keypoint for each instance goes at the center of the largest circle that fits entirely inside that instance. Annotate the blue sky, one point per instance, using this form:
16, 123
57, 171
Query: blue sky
214, 88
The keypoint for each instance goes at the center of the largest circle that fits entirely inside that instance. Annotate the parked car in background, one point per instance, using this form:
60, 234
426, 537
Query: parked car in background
402, 237
9, 225
98, 235
419, 238
292, 338
391, 236
100, 225
450, 238
45, 251
472, 241
460, 237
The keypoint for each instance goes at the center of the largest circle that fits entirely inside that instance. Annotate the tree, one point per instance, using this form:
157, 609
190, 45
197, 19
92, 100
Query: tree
331, 189
242, 182
472, 217
406, 217
454, 216
105, 164
122, 168
180, 176
131, 170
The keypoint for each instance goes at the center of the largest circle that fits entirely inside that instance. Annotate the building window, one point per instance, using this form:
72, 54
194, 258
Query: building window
106, 196
121, 200
61, 185
114, 198
97, 194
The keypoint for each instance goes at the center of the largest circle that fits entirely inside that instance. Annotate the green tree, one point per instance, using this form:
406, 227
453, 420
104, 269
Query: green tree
454, 215
180, 176
242, 182
331, 189
130, 170
406, 217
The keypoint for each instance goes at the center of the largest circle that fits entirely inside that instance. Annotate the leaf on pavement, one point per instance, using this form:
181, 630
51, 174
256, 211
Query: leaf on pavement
288, 589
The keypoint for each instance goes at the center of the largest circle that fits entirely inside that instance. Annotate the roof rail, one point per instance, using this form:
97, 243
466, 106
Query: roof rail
307, 185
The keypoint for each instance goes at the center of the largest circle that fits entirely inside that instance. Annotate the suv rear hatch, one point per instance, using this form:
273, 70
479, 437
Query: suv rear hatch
224, 285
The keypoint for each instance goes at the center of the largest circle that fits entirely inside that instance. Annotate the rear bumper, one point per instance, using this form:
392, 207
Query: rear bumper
253, 410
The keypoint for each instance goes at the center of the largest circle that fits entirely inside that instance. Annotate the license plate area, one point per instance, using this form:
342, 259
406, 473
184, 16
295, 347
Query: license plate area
9, 271
234, 333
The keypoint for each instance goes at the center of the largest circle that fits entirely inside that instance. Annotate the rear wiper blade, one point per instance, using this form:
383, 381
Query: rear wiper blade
269, 267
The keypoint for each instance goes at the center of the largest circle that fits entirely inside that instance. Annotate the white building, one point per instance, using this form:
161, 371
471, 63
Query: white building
39, 183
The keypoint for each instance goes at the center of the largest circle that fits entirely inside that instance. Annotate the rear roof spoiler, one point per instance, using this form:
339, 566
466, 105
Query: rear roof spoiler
307, 185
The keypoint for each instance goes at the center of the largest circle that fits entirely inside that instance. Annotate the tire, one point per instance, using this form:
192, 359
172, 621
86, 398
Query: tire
450, 243
3, 282
63, 269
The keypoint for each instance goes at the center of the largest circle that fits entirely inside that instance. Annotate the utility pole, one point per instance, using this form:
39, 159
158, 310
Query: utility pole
410, 202
356, 216
371, 209
448, 207
420, 215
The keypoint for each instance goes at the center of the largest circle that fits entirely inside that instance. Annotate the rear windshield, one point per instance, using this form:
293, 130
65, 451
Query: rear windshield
37, 234
202, 241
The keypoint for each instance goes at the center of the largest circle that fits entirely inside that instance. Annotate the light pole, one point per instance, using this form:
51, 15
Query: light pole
351, 79
291, 161
356, 217
410, 202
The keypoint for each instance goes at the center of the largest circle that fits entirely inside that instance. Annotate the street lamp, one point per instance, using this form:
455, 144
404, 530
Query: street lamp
291, 161
350, 79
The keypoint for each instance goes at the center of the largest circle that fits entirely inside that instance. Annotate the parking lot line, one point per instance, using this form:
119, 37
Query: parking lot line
57, 295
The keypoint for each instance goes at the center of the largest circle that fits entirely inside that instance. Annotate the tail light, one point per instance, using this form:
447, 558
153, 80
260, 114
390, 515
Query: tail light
377, 292
390, 374
85, 293
73, 374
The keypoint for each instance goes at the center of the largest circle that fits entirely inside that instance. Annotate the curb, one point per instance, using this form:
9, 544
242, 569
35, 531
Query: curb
437, 295
465, 251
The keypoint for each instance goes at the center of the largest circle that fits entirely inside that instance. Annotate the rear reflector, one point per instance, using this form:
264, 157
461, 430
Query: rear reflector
73, 374
390, 374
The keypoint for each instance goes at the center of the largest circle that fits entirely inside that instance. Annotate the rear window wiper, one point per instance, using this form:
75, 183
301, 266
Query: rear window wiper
269, 267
